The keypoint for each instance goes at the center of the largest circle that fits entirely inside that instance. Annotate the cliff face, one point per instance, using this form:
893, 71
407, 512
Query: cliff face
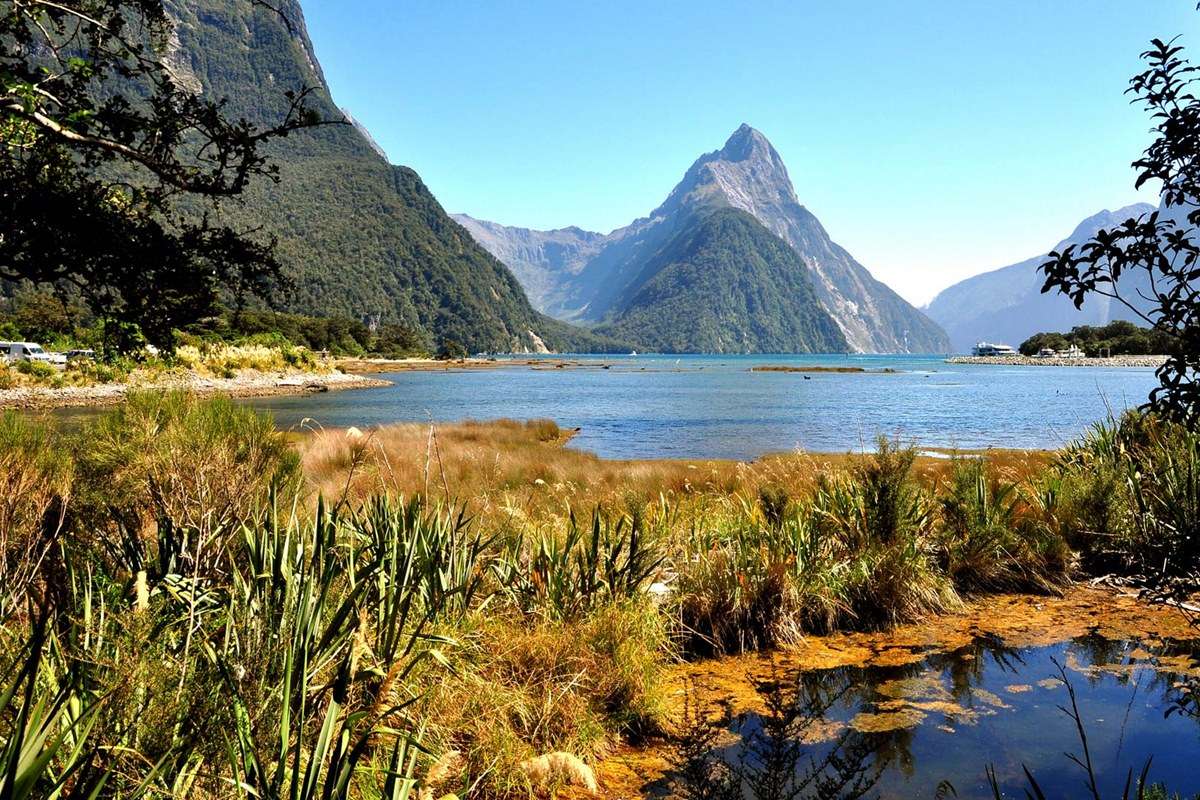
1007, 305
749, 175
356, 234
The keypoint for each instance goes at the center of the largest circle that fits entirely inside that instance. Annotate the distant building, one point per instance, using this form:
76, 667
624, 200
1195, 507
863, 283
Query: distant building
989, 349
1047, 352
1073, 352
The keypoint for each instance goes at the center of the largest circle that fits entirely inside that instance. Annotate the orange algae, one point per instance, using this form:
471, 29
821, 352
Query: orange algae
1016, 620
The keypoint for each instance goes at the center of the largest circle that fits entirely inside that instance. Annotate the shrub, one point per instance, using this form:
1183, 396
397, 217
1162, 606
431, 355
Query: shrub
989, 540
1132, 497
883, 525
38, 370
754, 584
166, 467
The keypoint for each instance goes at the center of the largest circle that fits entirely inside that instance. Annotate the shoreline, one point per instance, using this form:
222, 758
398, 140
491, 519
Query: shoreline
375, 365
1059, 361
243, 386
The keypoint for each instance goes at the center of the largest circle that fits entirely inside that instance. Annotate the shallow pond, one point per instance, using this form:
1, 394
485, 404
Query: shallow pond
903, 730
943, 698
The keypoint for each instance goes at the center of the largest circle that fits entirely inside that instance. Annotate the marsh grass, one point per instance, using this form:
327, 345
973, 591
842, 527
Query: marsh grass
242, 610
996, 537
525, 687
37, 478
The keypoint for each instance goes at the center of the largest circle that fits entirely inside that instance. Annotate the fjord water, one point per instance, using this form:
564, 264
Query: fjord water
951, 715
717, 407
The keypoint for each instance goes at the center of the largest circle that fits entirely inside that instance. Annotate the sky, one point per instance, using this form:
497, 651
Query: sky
934, 139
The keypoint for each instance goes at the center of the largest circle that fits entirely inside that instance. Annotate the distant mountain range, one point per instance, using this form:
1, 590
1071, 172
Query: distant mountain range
643, 279
1006, 305
729, 262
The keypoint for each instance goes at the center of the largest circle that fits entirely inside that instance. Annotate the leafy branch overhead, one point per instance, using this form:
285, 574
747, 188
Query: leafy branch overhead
104, 149
1156, 254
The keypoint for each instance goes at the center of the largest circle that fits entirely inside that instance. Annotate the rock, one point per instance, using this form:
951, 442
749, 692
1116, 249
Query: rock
562, 767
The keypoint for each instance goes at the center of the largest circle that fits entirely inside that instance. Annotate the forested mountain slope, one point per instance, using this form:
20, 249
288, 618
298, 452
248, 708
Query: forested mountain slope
357, 234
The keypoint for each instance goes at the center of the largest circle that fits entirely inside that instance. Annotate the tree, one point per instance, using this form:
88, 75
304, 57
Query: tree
41, 315
1157, 254
104, 155
399, 340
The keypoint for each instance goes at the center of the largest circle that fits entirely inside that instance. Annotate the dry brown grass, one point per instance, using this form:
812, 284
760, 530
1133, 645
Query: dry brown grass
523, 470
522, 689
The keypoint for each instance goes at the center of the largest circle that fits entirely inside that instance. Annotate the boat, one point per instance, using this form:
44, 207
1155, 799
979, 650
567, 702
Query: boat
990, 349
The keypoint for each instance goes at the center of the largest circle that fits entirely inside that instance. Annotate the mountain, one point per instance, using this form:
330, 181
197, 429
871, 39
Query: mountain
746, 174
725, 285
1007, 305
537, 258
356, 234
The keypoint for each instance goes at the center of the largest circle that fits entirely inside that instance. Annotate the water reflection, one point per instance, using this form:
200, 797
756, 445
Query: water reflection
908, 731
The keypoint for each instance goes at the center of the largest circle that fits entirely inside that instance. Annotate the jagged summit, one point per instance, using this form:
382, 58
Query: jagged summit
747, 144
1107, 219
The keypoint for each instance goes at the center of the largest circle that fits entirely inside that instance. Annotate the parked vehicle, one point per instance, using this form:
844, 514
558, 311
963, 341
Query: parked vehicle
30, 351
80, 355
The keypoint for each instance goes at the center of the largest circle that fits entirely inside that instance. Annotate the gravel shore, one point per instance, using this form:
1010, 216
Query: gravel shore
255, 384
1028, 361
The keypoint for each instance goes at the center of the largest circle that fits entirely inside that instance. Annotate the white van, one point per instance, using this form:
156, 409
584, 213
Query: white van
29, 351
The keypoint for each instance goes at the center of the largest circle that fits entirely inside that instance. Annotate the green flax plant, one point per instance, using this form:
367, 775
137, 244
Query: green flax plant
566, 576
993, 537
44, 727
312, 719
448, 551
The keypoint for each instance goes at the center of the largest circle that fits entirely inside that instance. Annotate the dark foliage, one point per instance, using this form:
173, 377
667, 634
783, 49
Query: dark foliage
100, 142
1117, 338
1156, 254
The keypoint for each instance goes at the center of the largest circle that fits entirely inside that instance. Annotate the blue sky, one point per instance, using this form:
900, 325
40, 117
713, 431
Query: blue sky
934, 140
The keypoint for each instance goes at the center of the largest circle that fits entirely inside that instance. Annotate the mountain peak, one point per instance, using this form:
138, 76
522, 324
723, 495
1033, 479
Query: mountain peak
746, 143
1107, 219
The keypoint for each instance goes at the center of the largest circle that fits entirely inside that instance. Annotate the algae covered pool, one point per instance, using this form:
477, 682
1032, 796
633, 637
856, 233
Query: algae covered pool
918, 709
904, 731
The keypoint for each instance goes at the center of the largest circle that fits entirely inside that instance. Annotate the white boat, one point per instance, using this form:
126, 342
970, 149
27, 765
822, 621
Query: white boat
990, 349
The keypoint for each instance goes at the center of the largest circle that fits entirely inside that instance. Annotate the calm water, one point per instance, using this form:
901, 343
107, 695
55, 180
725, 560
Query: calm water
988, 704
714, 406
